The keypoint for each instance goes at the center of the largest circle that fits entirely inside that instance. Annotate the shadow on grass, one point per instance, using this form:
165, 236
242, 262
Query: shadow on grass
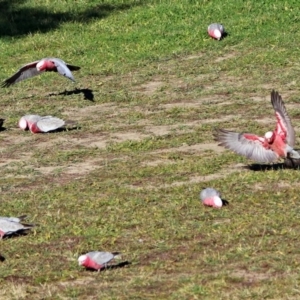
224, 202
2, 258
274, 167
17, 20
87, 93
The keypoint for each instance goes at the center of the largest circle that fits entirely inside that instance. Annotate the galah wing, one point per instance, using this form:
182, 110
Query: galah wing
208, 193
9, 227
284, 126
23, 73
100, 257
49, 123
246, 144
14, 219
63, 68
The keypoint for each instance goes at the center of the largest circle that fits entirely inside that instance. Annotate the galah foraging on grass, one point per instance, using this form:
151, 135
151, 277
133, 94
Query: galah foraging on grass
216, 31
39, 66
211, 197
37, 124
11, 225
96, 260
269, 148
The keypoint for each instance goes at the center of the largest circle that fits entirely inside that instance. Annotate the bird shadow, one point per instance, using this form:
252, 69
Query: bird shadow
224, 35
112, 266
288, 164
76, 127
87, 93
16, 234
225, 202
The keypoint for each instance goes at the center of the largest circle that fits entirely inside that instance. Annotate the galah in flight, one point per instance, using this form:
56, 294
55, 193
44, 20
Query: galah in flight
96, 260
216, 31
269, 148
37, 124
12, 225
211, 197
44, 65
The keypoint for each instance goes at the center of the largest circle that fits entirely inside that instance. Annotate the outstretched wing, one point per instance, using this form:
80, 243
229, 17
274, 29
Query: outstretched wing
62, 68
246, 144
23, 73
284, 126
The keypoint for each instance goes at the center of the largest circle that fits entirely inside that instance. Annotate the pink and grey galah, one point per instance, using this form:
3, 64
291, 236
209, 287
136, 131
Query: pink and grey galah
37, 67
269, 148
38, 124
211, 197
96, 260
12, 225
216, 31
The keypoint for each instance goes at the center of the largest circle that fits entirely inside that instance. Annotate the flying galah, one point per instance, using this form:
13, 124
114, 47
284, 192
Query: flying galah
216, 30
211, 197
96, 260
36, 123
269, 148
44, 65
10, 226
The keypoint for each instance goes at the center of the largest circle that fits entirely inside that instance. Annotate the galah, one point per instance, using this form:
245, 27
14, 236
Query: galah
269, 148
10, 226
211, 197
37, 67
216, 30
96, 260
36, 123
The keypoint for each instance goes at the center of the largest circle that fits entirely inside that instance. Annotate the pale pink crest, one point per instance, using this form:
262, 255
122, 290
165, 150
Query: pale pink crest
23, 123
217, 34
41, 65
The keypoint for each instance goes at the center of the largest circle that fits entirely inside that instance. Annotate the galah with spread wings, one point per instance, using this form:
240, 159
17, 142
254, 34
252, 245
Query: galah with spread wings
12, 225
37, 67
37, 124
269, 148
96, 260
211, 197
216, 31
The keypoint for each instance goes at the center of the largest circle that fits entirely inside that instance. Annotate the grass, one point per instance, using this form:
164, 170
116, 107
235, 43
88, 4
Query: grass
128, 179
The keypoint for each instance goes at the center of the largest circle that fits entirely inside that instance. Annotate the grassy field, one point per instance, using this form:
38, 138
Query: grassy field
152, 89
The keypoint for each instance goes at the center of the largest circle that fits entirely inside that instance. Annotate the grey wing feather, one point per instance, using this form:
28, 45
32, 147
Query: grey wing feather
11, 227
101, 257
208, 192
49, 123
243, 146
11, 219
279, 107
63, 69
23, 73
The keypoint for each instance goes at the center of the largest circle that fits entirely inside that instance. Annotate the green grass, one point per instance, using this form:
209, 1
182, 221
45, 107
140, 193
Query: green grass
128, 179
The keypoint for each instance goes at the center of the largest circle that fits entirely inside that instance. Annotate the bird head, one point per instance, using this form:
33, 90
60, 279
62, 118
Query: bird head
217, 34
41, 66
269, 136
81, 259
23, 123
218, 201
